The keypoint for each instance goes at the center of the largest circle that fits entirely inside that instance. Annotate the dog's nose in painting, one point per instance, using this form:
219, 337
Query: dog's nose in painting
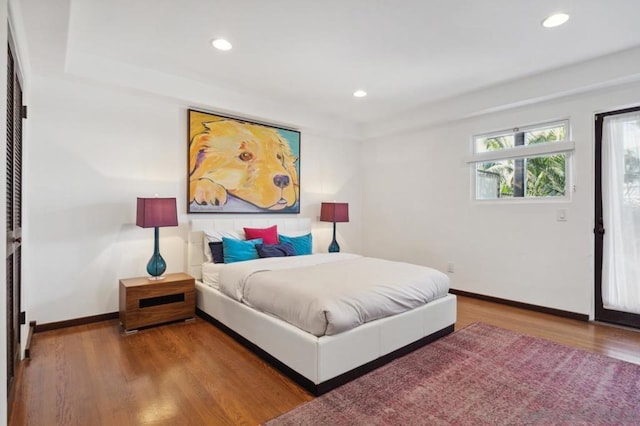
281, 181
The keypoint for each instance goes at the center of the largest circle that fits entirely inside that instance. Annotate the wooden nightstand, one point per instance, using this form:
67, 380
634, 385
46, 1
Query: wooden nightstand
146, 302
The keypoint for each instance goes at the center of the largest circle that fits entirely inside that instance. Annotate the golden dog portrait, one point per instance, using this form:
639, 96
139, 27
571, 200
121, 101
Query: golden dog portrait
240, 166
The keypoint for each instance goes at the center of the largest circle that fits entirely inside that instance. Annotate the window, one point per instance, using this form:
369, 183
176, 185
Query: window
529, 162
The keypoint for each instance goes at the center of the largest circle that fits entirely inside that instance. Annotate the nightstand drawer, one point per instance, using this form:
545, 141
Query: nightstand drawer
145, 302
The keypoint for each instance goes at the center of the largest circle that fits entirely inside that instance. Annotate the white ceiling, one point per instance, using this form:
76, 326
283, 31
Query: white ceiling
404, 53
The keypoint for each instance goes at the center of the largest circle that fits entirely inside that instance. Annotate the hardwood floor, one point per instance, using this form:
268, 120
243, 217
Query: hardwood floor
607, 340
192, 373
176, 374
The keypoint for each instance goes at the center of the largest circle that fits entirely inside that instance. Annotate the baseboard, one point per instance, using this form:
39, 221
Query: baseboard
73, 322
27, 345
536, 308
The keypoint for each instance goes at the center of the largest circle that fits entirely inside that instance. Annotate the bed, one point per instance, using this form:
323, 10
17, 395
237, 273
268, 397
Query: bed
318, 363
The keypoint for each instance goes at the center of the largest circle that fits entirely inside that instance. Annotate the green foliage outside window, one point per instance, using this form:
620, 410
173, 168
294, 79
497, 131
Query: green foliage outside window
545, 175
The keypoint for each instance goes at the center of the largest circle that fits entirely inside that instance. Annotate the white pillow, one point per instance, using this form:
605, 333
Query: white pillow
214, 236
210, 274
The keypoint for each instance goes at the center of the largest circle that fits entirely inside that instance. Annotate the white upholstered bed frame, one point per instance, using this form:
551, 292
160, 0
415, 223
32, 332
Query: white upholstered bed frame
317, 363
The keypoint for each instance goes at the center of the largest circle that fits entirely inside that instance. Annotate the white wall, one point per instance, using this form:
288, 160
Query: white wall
92, 150
417, 195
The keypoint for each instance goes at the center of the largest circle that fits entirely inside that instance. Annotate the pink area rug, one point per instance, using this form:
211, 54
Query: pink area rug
484, 375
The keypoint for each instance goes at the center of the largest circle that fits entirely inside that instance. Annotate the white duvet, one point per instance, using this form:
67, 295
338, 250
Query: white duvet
326, 294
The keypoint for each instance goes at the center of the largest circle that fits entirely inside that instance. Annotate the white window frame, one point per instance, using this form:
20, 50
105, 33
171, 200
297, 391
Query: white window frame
566, 147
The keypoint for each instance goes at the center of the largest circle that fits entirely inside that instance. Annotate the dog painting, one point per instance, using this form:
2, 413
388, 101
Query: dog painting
237, 166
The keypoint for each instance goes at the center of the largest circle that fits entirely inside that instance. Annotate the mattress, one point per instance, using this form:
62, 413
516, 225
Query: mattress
327, 294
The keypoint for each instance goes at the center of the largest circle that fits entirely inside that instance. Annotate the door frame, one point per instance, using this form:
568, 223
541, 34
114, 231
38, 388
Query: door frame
601, 314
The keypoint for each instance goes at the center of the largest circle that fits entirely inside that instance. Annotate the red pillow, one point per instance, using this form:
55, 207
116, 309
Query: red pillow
268, 235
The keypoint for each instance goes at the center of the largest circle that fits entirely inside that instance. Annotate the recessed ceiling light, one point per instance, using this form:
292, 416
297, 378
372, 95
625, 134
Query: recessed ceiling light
555, 20
359, 93
221, 44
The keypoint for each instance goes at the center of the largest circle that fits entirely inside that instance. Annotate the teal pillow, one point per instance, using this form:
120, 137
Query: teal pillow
301, 245
239, 250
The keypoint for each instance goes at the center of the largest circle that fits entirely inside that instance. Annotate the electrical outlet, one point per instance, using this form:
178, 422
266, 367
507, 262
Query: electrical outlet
450, 268
561, 215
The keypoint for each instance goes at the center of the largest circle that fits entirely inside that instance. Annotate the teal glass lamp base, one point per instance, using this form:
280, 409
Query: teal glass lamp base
334, 247
156, 265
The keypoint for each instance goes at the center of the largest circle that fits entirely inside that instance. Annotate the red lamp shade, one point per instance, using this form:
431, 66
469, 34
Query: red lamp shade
156, 212
334, 212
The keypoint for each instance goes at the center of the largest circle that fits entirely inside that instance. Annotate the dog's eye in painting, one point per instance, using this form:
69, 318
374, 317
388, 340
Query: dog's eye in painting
266, 175
246, 156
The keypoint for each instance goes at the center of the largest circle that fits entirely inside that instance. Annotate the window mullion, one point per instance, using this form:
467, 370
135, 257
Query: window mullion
518, 168
523, 152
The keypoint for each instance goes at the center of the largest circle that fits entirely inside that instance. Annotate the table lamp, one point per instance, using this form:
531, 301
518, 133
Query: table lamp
156, 213
334, 212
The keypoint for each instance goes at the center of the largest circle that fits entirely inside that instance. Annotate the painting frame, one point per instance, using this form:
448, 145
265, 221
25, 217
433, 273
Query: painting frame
241, 166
